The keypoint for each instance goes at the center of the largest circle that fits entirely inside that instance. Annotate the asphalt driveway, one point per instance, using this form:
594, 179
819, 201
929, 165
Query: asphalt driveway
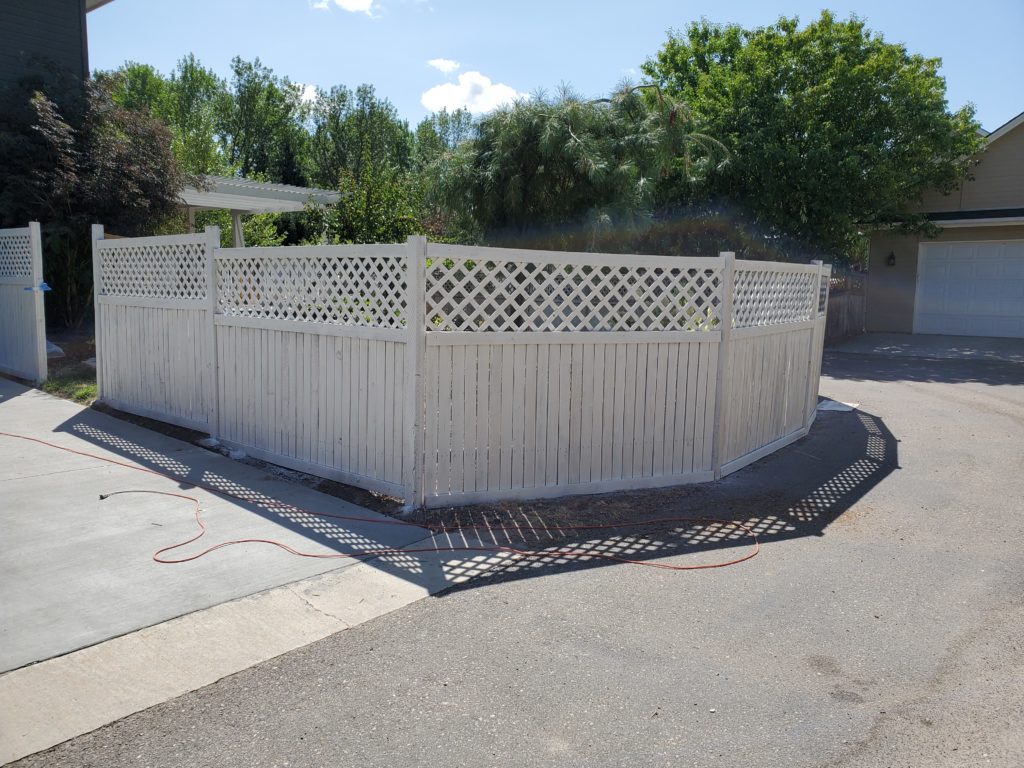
880, 626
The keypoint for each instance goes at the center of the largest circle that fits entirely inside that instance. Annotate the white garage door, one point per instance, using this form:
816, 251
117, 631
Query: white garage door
971, 289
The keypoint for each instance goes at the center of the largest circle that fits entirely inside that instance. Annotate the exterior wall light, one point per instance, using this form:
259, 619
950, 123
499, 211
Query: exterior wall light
891, 259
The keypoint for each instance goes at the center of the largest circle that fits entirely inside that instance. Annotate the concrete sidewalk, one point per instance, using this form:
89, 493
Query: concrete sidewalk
77, 571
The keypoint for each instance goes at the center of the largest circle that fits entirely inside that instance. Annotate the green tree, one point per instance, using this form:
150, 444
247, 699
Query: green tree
193, 102
353, 131
571, 173
381, 207
831, 129
194, 108
263, 125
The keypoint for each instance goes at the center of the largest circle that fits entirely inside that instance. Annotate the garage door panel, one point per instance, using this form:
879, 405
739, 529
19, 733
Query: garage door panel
974, 289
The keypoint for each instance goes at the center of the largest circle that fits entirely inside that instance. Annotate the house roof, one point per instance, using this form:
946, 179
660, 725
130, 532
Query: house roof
92, 5
248, 196
1005, 128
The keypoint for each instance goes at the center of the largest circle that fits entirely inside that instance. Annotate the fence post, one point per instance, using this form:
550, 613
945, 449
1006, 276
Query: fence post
415, 326
810, 402
728, 259
97, 273
39, 326
210, 364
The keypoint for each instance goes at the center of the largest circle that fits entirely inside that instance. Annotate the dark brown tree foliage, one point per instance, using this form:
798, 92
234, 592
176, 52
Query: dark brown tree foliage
70, 157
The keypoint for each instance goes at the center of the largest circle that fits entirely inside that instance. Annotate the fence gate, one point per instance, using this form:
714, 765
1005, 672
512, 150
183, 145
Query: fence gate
22, 319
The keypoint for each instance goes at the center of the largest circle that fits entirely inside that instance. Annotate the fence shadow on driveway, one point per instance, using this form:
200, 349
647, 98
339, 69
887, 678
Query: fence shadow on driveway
271, 498
795, 492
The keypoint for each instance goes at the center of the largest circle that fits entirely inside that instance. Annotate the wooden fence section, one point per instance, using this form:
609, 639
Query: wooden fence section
154, 331
22, 319
451, 375
311, 357
847, 312
552, 373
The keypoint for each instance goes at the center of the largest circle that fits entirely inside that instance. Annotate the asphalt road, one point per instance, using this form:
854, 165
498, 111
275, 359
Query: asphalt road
881, 625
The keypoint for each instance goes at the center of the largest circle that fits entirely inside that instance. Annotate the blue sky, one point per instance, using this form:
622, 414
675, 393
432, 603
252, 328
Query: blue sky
485, 52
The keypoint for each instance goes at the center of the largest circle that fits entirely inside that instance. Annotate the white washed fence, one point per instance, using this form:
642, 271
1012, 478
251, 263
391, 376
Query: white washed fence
454, 374
22, 320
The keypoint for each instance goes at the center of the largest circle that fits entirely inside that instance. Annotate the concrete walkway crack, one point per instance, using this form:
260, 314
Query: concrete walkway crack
317, 608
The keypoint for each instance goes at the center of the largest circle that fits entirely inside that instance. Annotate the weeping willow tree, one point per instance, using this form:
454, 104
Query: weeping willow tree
565, 172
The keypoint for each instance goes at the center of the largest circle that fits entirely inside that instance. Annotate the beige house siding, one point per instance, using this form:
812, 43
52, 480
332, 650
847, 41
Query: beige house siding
998, 180
998, 183
890, 290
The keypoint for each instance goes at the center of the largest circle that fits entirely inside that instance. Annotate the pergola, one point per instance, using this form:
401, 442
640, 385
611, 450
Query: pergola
244, 196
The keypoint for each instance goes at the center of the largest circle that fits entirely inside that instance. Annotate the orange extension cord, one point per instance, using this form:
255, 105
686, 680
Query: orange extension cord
524, 553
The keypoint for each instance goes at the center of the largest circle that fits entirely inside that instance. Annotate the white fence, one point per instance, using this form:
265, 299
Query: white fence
22, 320
455, 374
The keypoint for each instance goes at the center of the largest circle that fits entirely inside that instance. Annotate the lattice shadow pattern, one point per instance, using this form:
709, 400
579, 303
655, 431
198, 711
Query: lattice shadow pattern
15, 256
334, 535
366, 291
853, 455
468, 295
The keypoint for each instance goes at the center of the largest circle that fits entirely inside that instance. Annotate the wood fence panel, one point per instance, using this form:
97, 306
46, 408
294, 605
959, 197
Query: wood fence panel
534, 415
458, 375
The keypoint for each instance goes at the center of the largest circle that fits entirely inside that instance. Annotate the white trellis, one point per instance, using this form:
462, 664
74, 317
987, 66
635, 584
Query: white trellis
22, 317
451, 374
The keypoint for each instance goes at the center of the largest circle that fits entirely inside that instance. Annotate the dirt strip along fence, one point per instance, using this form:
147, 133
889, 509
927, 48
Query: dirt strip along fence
455, 374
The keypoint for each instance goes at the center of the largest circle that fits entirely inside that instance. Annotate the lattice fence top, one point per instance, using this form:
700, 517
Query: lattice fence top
767, 297
160, 268
521, 295
15, 254
823, 288
340, 290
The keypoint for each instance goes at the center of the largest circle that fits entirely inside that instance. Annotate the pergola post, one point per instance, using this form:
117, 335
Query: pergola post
236, 229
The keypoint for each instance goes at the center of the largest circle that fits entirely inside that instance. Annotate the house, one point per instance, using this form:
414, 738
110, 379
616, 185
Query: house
36, 31
968, 281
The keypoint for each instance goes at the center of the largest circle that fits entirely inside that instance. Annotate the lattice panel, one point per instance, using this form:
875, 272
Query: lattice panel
823, 293
368, 291
466, 295
763, 297
171, 271
15, 256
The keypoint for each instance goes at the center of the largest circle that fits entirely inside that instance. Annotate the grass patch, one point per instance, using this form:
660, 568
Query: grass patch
81, 388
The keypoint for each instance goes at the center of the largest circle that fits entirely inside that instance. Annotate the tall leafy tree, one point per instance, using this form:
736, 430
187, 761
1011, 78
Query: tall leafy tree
263, 125
354, 132
194, 106
831, 128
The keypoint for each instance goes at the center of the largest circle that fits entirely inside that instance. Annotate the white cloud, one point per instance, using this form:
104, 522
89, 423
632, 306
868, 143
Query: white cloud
308, 91
352, 6
474, 92
444, 65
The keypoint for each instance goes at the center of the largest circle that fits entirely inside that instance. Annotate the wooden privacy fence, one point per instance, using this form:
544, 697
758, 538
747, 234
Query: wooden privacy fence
22, 320
451, 374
